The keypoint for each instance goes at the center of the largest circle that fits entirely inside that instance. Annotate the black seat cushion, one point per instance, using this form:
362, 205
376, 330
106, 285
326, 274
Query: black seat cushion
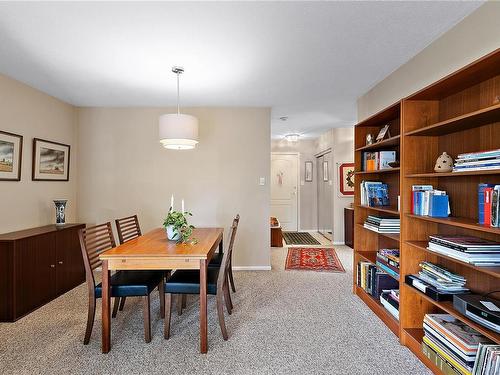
132, 283
188, 282
216, 260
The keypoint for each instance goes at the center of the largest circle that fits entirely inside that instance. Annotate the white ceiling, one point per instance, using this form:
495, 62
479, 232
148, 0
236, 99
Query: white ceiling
309, 61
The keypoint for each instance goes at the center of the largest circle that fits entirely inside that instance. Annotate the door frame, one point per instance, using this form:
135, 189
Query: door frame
329, 150
297, 154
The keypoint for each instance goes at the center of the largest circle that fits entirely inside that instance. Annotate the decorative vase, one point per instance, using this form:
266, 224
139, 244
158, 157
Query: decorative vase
444, 163
60, 211
171, 234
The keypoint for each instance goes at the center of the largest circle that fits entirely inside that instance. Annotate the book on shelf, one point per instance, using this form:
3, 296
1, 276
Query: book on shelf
427, 201
468, 249
389, 301
388, 261
374, 193
477, 161
379, 160
373, 280
440, 362
489, 205
382, 224
487, 360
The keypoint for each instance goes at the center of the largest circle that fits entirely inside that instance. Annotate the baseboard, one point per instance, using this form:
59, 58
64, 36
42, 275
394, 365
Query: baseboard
339, 243
251, 268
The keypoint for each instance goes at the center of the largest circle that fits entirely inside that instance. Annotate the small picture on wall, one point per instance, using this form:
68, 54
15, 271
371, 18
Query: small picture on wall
11, 147
346, 179
309, 171
50, 161
326, 174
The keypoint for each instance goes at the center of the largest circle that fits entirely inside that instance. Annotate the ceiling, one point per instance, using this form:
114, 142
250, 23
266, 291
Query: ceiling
309, 61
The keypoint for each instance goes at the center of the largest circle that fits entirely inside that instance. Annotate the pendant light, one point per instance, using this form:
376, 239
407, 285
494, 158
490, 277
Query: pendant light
178, 131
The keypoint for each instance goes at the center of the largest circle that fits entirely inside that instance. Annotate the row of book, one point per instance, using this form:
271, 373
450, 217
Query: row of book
382, 224
487, 360
388, 261
477, 161
489, 205
374, 161
390, 300
374, 193
427, 201
468, 249
452, 345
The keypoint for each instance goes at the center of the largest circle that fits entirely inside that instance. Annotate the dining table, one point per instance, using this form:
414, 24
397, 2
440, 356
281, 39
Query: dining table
153, 251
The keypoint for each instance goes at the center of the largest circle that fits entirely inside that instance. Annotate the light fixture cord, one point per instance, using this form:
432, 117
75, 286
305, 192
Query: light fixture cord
178, 96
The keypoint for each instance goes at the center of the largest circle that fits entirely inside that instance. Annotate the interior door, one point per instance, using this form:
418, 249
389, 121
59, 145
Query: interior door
325, 195
284, 183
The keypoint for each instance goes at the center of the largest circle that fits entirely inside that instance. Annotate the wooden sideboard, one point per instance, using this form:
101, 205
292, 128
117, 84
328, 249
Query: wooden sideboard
36, 266
349, 227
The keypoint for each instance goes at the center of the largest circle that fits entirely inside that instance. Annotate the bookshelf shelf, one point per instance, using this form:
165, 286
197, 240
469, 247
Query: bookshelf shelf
392, 236
422, 245
389, 142
387, 209
447, 306
461, 222
369, 256
454, 174
467, 121
391, 170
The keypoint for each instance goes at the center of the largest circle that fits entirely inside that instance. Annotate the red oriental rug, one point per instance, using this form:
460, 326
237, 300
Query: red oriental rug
314, 259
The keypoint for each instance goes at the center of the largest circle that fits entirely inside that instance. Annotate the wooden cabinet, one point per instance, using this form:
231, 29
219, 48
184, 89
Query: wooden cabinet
349, 227
36, 266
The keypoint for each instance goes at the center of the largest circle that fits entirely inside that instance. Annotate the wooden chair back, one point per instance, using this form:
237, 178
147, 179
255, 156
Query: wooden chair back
226, 259
93, 241
128, 228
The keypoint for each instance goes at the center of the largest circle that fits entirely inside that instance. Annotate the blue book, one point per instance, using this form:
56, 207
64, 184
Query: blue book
387, 270
438, 206
480, 200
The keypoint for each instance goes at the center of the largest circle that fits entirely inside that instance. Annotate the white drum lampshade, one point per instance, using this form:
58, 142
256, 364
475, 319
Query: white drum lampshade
178, 131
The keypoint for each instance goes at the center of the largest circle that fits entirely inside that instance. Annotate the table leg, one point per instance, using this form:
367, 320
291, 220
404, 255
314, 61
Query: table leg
106, 310
203, 307
221, 247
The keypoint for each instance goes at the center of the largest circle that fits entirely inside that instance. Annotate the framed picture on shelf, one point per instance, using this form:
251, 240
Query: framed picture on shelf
384, 132
50, 161
346, 179
11, 149
308, 173
326, 174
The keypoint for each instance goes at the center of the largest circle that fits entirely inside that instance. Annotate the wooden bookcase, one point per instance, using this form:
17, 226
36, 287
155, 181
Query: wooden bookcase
457, 114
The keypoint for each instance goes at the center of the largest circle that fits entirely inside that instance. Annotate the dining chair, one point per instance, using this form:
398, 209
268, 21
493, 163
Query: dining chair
94, 241
128, 228
183, 282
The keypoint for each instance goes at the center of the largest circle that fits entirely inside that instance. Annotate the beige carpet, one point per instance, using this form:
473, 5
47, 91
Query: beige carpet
292, 322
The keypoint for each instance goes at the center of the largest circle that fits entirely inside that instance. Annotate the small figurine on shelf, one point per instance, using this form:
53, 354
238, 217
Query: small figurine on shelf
369, 139
383, 133
444, 163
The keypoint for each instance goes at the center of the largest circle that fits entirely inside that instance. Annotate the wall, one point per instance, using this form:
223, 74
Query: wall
307, 190
124, 170
472, 38
31, 113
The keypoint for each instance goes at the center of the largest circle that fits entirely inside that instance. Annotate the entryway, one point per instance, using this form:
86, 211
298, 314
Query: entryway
325, 193
284, 189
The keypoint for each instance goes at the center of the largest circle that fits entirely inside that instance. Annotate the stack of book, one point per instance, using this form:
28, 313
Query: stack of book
382, 224
489, 205
437, 282
451, 344
374, 161
374, 193
427, 201
477, 161
487, 360
388, 261
473, 250
390, 300
373, 280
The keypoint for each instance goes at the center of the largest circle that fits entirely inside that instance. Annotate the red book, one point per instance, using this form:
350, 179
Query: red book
488, 196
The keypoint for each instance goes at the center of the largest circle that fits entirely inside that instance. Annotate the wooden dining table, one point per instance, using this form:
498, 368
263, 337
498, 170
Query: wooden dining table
152, 251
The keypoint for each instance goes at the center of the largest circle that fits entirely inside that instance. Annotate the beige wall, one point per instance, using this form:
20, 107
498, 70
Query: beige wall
124, 170
31, 113
474, 37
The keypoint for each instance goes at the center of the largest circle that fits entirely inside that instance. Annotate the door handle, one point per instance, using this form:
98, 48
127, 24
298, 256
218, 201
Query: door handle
52, 266
60, 262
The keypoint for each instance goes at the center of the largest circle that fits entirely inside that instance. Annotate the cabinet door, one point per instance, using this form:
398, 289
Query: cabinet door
35, 272
69, 261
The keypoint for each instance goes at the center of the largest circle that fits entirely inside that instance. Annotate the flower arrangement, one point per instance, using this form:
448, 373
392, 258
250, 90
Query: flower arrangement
177, 226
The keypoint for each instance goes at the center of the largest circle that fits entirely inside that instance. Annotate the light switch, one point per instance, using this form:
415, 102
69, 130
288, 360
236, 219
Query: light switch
302, 183
262, 181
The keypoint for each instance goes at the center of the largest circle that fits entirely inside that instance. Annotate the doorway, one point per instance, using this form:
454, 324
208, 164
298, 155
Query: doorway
284, 189
325, 193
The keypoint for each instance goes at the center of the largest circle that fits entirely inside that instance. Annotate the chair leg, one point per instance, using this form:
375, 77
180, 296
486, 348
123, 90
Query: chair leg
115, 306
179, 304
161, 291
231, 277
122, 303
184, 300
90, 321
168, 312
220, 313
147, 318
227, 298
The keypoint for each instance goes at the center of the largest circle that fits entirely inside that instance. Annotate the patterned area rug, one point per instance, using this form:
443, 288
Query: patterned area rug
313, 259
299, 238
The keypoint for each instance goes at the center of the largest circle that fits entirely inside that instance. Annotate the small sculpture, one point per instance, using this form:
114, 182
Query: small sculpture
444, 163
60, 211
369, 139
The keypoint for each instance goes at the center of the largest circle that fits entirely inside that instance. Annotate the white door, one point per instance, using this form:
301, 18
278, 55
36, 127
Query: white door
284, 183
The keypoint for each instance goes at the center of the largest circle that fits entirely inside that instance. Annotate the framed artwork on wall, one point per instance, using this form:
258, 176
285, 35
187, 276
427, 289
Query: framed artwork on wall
308, 174
346, 179
50, 161
11, 149
326, 174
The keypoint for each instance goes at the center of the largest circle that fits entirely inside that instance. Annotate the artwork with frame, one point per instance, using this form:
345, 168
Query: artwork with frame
326, 176
308, 173
50, 161
11, 150
384, 132
346, 179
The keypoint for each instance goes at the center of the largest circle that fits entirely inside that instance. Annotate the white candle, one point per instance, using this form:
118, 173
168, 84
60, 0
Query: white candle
183, 206
172, 202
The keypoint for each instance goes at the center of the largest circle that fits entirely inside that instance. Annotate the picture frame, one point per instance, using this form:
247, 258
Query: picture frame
383, 133
326, 174
308, 172
51, 161
346, 179
11, 155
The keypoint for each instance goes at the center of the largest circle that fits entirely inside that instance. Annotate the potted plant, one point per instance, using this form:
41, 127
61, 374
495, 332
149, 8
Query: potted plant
177, 226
